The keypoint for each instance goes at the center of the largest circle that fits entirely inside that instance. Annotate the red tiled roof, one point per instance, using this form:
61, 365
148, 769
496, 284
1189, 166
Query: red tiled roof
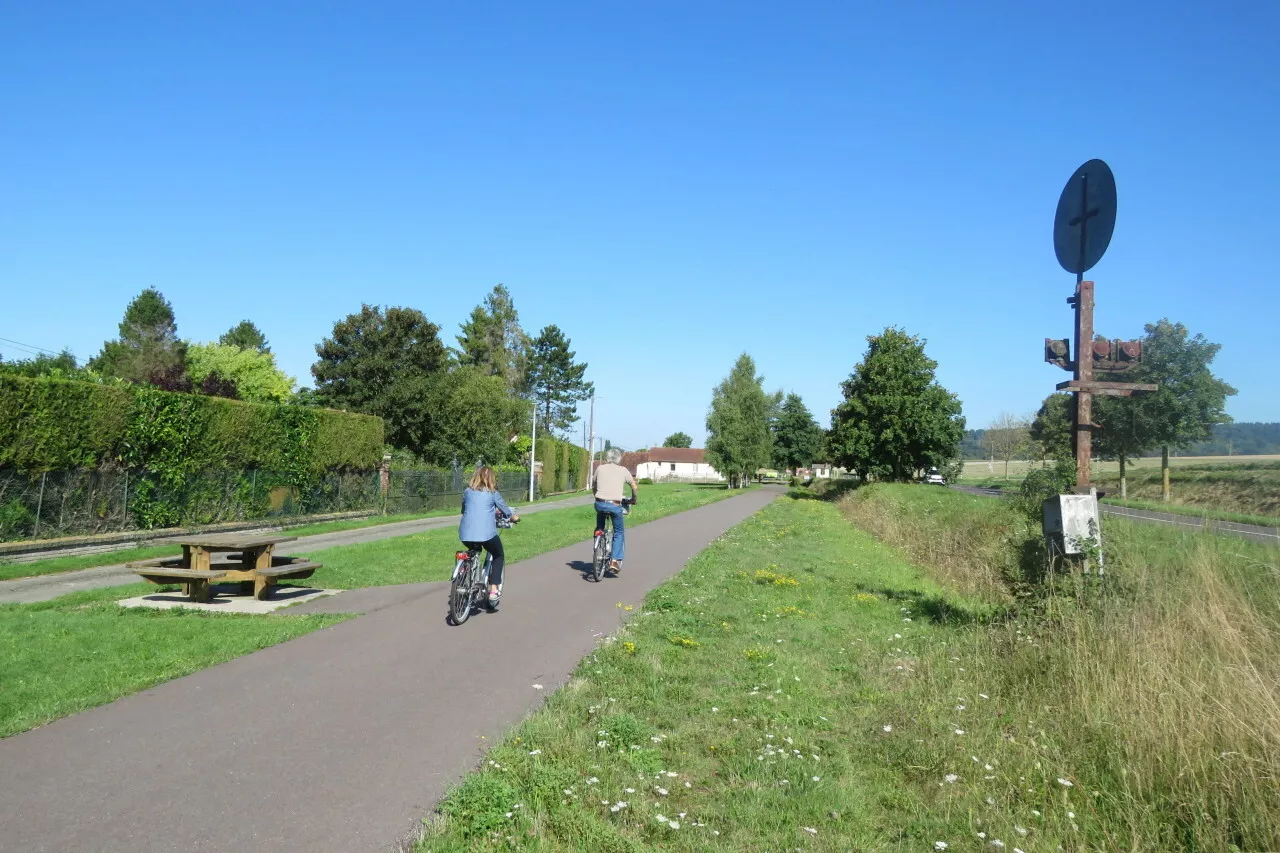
692, 455
677, 454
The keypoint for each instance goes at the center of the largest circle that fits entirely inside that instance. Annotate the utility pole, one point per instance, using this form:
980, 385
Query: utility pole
591, 466
533, 450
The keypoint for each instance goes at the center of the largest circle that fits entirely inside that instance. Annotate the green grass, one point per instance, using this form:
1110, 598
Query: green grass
428, 556
11, 569
84, 650
801, 685
1198, 512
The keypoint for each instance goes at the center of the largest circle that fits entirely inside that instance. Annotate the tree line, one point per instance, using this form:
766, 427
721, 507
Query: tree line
466, 403
1187, 413
1188, 404
894, 421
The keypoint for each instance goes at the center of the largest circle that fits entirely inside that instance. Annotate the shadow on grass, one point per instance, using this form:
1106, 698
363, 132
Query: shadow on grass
833, 491
940, 610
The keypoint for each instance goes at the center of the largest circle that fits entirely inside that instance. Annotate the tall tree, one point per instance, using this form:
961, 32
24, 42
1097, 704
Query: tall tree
384, 363
473, 418
1007, 437
252, 372
245, 335
1190, 400
797, 438
492, 341
895, 418
556, 380
1124, 432
738, 438
148, 350
1051, 429
678, 439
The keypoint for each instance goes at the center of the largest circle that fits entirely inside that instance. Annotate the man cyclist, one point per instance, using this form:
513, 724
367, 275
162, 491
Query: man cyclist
607, 483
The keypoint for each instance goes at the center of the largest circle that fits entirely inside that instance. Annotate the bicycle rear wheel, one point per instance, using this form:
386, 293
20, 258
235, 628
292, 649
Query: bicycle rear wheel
600, 558
461, 592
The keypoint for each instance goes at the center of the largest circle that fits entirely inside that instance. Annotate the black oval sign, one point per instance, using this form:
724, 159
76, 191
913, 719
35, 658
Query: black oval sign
1086, 217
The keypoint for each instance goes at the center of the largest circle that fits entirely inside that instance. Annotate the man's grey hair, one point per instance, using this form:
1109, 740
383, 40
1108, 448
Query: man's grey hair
613, 456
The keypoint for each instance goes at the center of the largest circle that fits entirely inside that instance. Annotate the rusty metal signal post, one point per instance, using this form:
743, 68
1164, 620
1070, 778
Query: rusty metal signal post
1082, 228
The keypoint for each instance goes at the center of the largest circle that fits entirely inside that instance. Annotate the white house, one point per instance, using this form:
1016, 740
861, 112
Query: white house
676, 464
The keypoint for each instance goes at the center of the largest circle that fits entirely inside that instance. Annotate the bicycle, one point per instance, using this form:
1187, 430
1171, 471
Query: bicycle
469, 583
603, 547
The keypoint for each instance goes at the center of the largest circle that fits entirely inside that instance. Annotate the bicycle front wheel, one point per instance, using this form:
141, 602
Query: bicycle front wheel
461, 593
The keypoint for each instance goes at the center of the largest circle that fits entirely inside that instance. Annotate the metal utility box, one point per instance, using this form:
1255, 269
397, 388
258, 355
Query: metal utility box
1070, 521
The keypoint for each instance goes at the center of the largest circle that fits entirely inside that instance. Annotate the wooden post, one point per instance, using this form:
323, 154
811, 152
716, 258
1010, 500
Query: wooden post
39, 506
1084, 374
384, 481
1165, 493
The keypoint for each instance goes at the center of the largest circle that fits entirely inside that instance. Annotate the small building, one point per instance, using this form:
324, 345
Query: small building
672, 464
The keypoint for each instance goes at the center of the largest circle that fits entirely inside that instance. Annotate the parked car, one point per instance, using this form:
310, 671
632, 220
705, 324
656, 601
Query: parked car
934, 478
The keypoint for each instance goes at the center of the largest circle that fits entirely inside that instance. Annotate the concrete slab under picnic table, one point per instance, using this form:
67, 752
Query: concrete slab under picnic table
227, 600
341, 740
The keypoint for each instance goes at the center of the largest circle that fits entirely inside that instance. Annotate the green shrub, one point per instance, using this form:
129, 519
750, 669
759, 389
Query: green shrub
1040, 484
16, 521
645, 481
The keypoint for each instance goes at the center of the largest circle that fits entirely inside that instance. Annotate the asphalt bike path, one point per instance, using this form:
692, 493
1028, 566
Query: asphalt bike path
341, 740
45, 587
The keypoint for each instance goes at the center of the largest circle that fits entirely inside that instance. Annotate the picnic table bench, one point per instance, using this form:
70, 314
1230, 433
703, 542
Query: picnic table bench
249, 560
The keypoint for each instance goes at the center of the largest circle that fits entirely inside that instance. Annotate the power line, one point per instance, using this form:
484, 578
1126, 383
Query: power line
31, 348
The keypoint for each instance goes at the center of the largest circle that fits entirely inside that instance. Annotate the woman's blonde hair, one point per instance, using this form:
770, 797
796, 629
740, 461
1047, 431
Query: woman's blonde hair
484, 479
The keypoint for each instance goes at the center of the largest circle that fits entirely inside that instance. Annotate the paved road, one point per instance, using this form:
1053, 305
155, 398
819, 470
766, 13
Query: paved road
337, 741
1269, 535
45, 587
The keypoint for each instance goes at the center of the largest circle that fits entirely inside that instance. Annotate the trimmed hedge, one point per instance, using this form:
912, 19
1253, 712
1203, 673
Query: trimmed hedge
51, 425
47, 425
564, 465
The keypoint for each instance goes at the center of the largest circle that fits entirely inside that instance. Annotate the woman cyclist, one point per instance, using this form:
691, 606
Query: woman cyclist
481, 505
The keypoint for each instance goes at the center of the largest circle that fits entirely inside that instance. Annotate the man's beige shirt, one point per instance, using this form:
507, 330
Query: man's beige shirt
609, 481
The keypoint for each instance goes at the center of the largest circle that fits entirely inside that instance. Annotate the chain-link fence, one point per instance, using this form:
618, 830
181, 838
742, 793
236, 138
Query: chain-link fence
423, 491
74, 503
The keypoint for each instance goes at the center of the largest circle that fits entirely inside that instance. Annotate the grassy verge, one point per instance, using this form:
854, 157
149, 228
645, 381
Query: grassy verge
10, 570
802, 685
82, 650
1156, 690
428, 556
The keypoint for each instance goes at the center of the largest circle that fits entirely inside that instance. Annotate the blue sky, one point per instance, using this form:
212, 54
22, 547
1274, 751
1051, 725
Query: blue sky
670, 182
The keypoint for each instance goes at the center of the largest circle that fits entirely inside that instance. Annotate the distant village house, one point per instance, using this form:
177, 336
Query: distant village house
672, 464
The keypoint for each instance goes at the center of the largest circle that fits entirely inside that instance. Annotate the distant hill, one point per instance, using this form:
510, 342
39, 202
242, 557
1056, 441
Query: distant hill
1243, 439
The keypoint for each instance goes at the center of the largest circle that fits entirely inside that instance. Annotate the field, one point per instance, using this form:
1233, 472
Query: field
804, 684
1236, 488
82, 650
981, 470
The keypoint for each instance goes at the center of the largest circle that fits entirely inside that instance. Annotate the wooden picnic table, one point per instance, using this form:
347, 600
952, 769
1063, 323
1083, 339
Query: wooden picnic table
252, 562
